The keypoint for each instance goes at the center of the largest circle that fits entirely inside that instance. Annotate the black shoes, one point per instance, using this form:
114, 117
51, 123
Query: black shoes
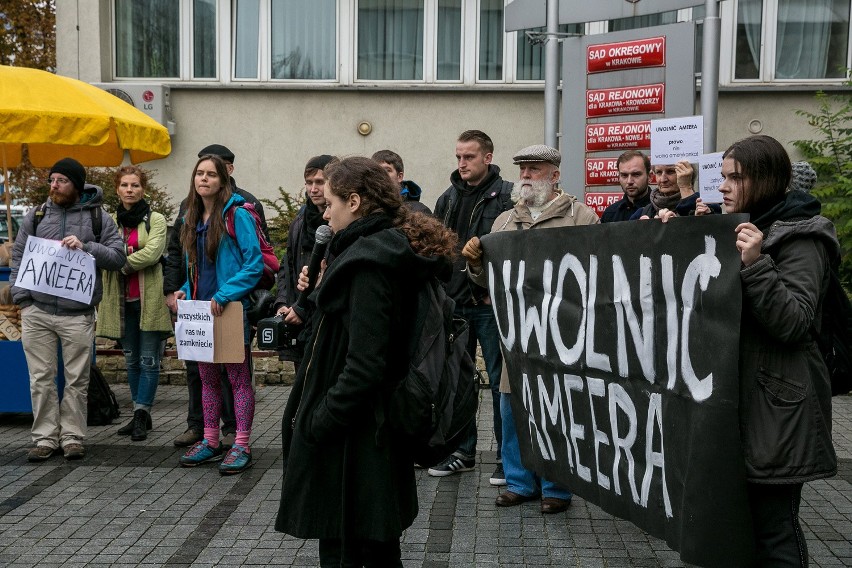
141, 425
127, 429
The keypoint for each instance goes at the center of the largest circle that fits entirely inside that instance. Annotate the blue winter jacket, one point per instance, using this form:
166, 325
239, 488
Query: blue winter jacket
239, 264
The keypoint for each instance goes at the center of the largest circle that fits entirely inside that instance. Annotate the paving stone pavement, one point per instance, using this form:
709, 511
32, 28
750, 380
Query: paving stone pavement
128, 504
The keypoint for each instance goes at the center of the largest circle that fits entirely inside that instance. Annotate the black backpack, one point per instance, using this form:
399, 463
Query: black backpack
102, 405
835, 334
437, 399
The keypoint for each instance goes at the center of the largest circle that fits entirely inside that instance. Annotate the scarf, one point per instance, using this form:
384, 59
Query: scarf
313, 219
130, 218
662, 201
363, 227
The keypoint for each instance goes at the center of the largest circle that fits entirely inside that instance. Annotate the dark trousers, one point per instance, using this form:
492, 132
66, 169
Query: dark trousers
195, 412
778, 537
359, 553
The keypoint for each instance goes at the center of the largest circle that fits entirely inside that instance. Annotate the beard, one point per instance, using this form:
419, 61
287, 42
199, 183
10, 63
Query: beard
63, 199
532, 193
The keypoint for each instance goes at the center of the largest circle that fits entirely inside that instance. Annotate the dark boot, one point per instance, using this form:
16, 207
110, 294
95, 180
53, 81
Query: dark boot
127, 429
141, 425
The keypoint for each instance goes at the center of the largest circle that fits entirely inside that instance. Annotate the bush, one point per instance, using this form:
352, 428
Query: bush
831, 157
286, 208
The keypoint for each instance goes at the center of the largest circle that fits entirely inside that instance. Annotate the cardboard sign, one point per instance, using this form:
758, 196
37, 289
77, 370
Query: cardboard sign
618, 136
639, 99
710, 177
9, 329
600, 200
612, 336
634, 54
602, 171
676, 139
50, 268
200, 336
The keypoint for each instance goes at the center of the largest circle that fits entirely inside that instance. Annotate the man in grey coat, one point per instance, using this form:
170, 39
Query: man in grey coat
74, 216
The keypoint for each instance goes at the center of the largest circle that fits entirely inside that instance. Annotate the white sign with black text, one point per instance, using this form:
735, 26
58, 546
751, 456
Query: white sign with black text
50, 268
676, 139
710, 177
194, 331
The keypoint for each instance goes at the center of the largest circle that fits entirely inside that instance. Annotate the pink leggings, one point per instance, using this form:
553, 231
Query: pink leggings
211, 394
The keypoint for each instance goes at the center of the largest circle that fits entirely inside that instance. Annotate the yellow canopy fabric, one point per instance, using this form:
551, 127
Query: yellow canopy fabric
58, 117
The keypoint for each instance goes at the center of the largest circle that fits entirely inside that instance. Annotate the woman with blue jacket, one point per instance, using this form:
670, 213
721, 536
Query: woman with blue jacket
220, 269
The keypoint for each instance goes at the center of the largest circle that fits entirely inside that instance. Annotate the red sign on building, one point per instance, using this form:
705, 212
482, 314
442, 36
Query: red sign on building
600, 200
638, 99
601, 171
648, 52
618, 136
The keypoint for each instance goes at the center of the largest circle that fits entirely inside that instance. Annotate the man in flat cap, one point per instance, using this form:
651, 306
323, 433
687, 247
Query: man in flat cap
73, 215
174, 275
476, 196
539, 204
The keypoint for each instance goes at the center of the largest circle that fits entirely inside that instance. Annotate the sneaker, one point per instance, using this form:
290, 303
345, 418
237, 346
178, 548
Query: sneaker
228, 441
188, 438
237, 460
498, 478
453, 464
200, 453
74, 451
40, 453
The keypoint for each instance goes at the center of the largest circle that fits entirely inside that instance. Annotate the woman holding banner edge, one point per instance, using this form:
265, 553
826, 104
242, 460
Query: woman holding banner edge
132, 309
785, 392
220, 269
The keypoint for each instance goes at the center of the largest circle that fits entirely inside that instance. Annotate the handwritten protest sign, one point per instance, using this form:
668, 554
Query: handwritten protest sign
50, 268
676, 139
710, 177
621, 347
199, 336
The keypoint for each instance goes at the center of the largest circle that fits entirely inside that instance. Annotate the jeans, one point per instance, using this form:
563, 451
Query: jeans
353, 553
483, 327
519, 479
195, 411
142, 355
778, 537
58, 424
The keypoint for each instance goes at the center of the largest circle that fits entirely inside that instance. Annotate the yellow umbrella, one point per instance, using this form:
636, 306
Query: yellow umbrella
57, 117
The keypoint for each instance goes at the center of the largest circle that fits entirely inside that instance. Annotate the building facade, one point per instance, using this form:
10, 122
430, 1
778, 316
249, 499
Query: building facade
279, 81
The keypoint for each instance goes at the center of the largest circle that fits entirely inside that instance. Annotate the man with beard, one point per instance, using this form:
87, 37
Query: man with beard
300, 244
469, 207
174, 275
538, 205
73, 215
634, 169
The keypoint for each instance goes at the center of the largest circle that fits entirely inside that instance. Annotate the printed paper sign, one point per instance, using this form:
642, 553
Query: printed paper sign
602, 171
633, 54
676, 139
194, 331
50, 268
600, 200
618, 136
710, 177
639, 99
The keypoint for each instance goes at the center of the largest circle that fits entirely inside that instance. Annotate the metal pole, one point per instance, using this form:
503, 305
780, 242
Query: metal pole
551, 75
710, 74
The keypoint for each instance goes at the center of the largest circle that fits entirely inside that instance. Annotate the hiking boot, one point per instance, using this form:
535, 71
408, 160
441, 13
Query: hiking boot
498, 478
74, 451
127, 429
451, 465
40, 453
188, 438
228, 441
200, 453
141, 425
237, 460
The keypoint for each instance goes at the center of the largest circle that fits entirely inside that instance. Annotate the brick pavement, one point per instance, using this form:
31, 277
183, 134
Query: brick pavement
128, 504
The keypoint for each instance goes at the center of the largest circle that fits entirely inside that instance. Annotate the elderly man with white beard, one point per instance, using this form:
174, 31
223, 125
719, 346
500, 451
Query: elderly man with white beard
539, 204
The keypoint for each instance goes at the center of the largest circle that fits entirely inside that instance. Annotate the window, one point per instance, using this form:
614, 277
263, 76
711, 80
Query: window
531, 55
246, 39
491, 40
304, 39
390, 40
147, 38
788, 40
449, 40
204, 39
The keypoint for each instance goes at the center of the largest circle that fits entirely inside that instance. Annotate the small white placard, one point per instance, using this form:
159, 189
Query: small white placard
710, 177
194, 331
50, 268
676, 139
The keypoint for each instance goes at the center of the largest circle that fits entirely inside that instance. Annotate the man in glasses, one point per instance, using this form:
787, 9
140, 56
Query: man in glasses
73, 215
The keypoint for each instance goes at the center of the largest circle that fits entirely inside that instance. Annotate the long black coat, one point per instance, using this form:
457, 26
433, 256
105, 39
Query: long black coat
339, 460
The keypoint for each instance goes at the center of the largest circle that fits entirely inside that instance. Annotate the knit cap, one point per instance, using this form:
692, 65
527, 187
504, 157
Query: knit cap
73, 170
804, 177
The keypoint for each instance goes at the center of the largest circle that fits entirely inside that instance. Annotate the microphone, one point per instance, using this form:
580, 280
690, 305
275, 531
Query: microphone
323, 235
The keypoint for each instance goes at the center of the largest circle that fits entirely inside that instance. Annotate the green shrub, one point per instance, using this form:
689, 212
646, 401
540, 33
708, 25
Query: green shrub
286, 207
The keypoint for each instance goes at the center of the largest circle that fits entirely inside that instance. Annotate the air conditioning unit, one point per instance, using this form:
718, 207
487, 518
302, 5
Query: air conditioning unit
153, 100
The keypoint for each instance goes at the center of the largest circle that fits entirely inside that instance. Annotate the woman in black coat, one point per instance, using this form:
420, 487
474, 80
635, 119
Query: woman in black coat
785, 391
347, 480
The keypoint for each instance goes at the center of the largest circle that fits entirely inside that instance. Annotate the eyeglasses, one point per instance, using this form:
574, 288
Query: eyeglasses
59, 180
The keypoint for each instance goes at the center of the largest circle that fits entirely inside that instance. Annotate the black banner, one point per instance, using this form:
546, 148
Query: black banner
621, 345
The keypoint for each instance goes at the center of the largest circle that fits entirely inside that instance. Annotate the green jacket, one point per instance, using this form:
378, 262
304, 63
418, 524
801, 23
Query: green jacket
146, 261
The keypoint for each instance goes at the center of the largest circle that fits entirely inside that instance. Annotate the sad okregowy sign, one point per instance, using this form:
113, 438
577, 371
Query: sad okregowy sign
621, 345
